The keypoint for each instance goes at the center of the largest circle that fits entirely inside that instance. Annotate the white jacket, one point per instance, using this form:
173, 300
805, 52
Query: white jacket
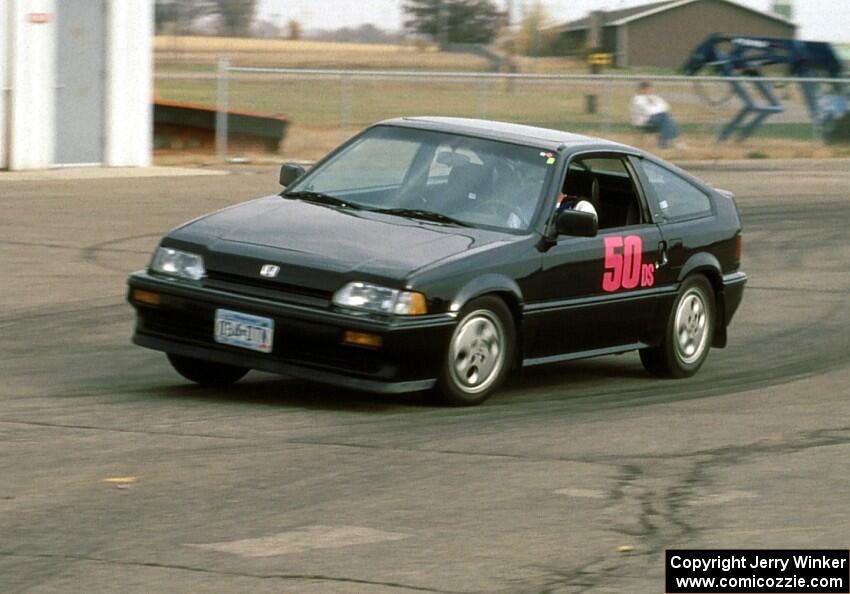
644, 107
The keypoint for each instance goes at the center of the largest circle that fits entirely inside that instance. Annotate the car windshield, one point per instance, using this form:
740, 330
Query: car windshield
438, 177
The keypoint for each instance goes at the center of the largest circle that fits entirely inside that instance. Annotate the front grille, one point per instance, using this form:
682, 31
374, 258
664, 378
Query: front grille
266, 289
177, 323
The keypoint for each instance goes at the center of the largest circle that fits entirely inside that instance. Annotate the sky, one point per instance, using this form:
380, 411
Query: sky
827, 20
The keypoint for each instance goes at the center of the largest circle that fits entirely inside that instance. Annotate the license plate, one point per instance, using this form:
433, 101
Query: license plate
244, 330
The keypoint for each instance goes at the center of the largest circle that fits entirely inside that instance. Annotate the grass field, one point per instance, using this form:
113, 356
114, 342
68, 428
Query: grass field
198, 54
324, 110
193, 54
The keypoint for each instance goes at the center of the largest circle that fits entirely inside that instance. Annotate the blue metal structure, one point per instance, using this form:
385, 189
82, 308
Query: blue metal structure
746, 55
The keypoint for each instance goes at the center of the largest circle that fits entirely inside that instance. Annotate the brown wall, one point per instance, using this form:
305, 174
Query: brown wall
575, 42
667, 38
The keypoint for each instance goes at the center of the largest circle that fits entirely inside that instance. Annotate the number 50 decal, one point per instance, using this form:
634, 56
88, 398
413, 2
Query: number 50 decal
624, 267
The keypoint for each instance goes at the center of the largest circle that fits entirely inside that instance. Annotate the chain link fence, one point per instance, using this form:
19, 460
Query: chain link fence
323, 107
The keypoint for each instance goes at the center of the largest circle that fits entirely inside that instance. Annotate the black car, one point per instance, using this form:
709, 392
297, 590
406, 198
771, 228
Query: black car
440, 253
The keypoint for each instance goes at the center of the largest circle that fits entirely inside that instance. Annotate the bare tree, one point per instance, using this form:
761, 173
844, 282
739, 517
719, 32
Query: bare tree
455, 21
533, 38
293, 29
235, 16
178, 16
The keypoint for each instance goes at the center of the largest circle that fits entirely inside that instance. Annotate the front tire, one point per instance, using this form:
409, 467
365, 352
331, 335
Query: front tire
206, 373
689, 332
479, 353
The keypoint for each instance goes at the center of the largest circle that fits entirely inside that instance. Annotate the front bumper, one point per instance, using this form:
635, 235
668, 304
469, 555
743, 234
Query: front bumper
307, 340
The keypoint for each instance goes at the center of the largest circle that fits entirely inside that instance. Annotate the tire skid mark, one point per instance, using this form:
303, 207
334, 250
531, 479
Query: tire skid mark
796, 290
39, 244
193, 568
117, 430
91, 254
781, 366
75, 248
24, 316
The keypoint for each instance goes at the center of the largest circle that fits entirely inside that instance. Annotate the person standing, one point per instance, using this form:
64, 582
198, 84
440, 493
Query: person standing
653, 112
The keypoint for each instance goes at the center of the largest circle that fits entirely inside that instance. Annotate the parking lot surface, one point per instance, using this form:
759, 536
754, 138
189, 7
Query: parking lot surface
117, 475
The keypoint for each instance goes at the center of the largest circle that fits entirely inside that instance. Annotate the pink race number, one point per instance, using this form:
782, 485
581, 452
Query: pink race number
624, 268
613, 276
632, 254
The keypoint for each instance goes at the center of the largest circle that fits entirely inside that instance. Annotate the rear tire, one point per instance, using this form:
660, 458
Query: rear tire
689, 332
479, 353
206, 373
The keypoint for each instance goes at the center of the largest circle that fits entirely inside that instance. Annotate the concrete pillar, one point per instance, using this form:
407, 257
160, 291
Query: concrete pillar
28, 37
594, 32
31, 68
4, 85
129, 83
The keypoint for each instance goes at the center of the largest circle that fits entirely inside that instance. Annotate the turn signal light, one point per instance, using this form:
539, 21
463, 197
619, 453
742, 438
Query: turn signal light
739, 247
418, 305
363, 339
146, 297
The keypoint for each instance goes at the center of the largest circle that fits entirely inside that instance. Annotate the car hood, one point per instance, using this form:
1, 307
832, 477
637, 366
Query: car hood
321, 246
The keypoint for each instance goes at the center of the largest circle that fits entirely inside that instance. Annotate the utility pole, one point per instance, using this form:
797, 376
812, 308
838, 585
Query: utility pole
442, 25
508, 61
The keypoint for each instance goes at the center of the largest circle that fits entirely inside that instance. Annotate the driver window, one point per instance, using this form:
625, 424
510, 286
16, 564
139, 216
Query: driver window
605, 183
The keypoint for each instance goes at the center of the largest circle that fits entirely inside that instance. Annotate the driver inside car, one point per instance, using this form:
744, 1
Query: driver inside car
567, 202
489, 188
486, 194
580, 191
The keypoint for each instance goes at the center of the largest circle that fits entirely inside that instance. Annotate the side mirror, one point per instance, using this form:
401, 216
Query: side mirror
289, 172
577, 223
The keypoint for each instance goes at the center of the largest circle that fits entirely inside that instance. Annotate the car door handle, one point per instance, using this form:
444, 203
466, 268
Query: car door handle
662, 255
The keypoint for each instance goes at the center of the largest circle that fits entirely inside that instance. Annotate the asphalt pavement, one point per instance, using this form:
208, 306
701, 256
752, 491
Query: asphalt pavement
118, 475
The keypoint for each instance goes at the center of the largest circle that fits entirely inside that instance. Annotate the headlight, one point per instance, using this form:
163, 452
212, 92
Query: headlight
381, 299
178, 263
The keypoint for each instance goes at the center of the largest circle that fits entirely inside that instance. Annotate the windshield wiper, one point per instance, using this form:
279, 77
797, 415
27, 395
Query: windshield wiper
426, 215
322, 198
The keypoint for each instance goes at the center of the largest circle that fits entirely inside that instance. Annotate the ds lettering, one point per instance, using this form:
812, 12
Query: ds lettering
624, 268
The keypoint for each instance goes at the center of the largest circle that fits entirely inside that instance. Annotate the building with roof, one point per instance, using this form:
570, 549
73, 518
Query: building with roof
664, 33
75, 83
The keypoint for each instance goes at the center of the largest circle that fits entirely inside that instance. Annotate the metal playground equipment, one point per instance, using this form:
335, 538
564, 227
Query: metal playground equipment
815, 64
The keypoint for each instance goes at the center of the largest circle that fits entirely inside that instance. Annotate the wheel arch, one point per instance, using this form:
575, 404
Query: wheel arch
708, 266
503, 288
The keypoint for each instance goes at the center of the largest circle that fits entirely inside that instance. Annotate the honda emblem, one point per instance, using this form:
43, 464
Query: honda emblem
269, 270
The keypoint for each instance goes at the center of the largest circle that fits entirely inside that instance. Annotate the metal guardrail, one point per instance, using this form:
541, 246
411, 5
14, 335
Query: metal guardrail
490, 75
527, 76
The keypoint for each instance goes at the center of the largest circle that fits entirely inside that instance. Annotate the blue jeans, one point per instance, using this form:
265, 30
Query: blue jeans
666, 127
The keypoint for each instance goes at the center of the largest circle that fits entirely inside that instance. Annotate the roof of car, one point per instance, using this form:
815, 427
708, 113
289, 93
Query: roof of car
505, 131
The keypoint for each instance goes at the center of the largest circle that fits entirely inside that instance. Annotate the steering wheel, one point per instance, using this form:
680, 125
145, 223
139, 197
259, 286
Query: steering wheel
502, 211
